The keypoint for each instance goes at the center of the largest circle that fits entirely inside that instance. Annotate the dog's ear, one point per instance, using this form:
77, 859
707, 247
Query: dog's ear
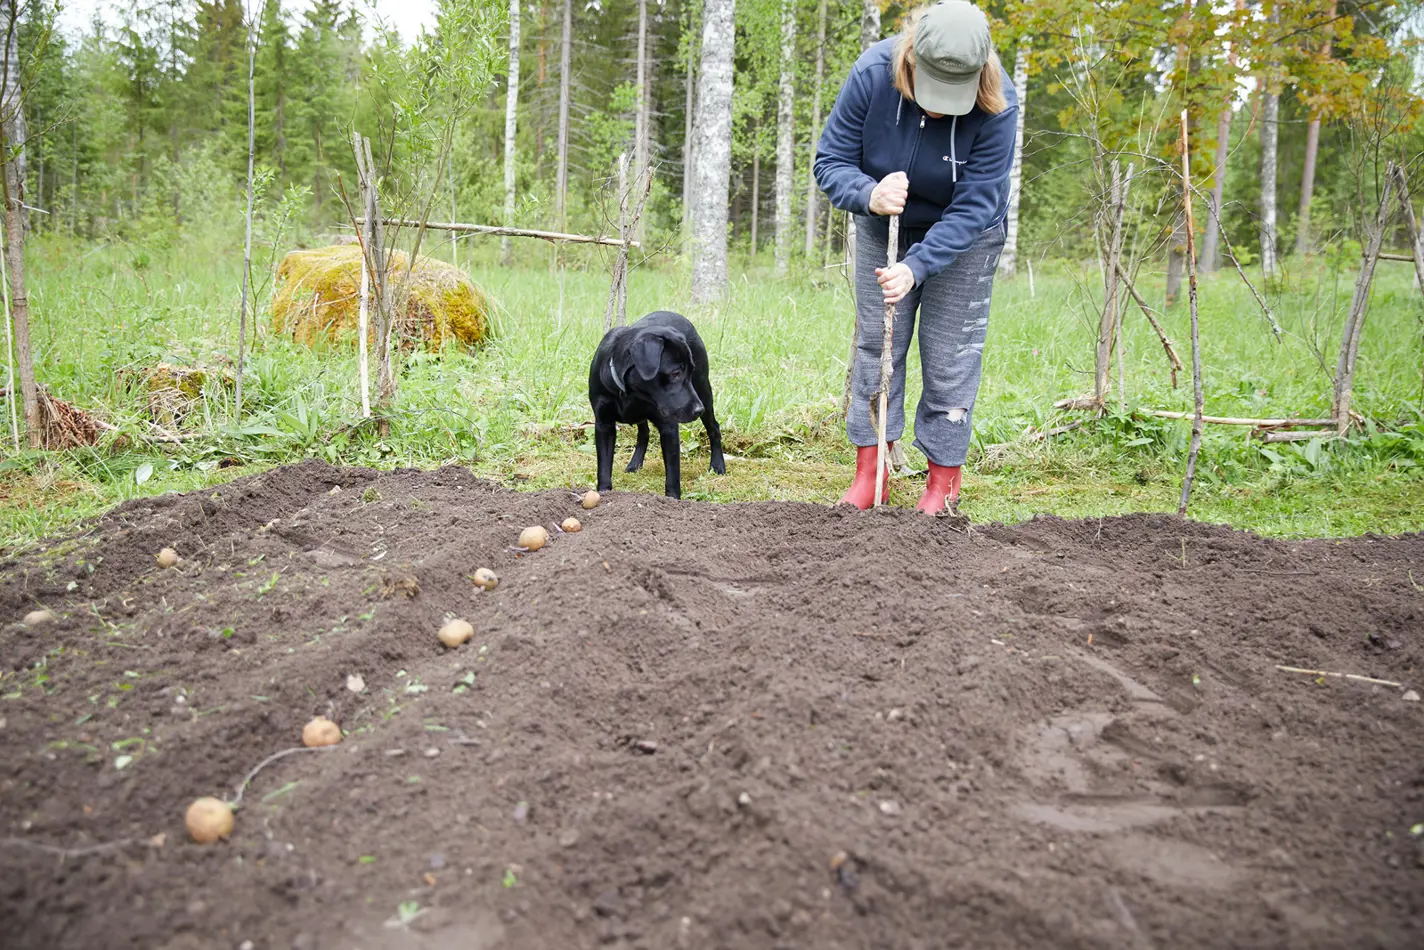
643, 354
680, 343
647, 354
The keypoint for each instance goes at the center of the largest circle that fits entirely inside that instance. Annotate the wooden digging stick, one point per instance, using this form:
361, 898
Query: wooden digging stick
887, 357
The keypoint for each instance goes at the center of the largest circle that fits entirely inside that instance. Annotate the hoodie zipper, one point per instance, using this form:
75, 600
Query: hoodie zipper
915, 148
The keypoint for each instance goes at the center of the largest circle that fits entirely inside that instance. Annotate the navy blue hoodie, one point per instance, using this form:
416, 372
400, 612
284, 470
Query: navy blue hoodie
958, 166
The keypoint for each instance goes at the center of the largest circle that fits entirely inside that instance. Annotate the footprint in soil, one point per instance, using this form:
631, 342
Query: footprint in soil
1093, 773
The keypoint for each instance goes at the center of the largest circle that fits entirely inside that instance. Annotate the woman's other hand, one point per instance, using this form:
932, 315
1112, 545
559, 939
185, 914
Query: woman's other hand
890, 195
895, 282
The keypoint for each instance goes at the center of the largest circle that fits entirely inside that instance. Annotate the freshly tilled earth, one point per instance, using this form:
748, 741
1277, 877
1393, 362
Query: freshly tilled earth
697, 725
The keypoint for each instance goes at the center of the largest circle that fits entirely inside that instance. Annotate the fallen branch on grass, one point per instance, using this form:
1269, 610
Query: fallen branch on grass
1303, 435
1035, 435
1348, 676
1235, 421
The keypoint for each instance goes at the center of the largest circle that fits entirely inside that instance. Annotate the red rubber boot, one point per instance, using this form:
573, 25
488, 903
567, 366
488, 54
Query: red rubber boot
862, 490
941, 491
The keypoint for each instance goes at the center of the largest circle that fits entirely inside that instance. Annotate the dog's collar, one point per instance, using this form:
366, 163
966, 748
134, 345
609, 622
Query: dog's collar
617, 380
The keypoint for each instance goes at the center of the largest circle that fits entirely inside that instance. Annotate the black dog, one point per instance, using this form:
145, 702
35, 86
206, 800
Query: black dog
653, 371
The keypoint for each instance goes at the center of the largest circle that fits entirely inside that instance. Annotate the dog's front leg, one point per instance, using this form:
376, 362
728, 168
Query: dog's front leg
641, 449
605, 437
672, 458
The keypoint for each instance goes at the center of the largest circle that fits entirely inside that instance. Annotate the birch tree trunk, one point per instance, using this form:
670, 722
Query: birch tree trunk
561, 173
1270, 138
869, 24
12, 145
812, 192
641, 133
1210, 258
1270, 141
1359, 307
1211, 244
785, 137
869, 36
1307, 187
756, 196
511, 125
1009, 259
712, 144
1312, 151
247, 241
688, 156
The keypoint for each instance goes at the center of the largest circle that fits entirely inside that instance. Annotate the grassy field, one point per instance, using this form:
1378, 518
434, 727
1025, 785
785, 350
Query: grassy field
104, 314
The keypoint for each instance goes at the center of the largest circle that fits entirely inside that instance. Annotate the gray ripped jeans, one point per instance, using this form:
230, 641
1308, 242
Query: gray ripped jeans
953, 308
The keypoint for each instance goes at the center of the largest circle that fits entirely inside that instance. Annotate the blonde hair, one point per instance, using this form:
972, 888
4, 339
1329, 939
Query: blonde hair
902, 68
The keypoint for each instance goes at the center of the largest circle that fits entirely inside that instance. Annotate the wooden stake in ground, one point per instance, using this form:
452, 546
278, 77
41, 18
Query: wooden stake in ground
1195, 448
618, 306
247, 241
887, 365
454, 243
363, 370
372, 237
1107, 326
616, 313
1355, 319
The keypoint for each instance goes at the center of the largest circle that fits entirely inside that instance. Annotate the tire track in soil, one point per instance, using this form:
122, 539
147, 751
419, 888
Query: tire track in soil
755, 725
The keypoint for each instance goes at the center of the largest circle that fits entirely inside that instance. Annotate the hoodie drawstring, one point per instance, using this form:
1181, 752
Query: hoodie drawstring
953, 153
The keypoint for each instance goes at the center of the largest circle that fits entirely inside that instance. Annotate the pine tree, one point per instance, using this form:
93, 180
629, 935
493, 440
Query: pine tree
273, 67
317, 103
137, 57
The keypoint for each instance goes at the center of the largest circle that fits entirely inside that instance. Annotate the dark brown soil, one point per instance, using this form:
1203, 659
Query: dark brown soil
693, 725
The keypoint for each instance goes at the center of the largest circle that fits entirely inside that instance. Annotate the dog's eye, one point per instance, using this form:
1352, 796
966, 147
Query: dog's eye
675, 375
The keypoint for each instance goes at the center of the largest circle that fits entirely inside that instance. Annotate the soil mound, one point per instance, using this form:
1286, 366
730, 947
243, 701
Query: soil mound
695, 725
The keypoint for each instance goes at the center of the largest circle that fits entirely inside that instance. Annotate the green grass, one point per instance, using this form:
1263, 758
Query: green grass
102, 314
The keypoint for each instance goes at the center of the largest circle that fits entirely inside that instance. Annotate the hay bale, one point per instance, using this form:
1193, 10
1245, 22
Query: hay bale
318, 298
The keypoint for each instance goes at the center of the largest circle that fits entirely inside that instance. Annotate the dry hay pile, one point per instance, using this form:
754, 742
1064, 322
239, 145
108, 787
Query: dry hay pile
64, 425
318, 298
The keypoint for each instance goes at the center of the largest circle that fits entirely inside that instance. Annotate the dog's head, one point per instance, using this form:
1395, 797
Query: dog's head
656, 364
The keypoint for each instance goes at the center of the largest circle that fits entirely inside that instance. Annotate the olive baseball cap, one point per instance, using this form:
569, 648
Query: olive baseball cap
951, 47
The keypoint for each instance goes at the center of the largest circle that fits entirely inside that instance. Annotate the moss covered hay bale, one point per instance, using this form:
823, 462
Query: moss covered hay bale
175, 391
318, 298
